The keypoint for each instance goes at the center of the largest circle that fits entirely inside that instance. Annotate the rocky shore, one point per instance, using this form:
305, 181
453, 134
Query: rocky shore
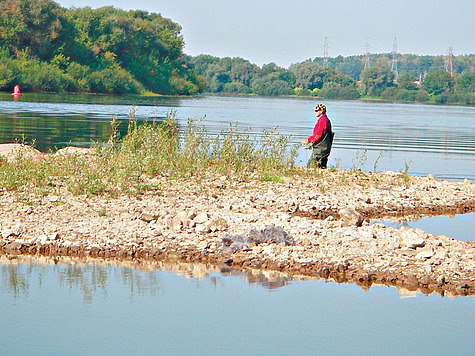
323, 222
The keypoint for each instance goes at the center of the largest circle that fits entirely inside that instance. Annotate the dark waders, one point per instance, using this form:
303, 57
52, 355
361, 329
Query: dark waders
321, 150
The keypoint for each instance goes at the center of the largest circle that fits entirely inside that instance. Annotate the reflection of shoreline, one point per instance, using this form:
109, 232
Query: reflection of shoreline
91, 275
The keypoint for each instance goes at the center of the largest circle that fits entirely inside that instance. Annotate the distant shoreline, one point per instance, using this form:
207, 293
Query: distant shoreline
363, 99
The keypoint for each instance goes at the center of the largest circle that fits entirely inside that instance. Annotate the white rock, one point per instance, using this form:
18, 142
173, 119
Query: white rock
42, 239
350, 217
425, 253
410, 239
201, 218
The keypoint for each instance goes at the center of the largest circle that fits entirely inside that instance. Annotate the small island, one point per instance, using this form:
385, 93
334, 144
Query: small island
148, 197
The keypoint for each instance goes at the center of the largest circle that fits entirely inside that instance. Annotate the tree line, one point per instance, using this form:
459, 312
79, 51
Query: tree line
45, 47
345, 78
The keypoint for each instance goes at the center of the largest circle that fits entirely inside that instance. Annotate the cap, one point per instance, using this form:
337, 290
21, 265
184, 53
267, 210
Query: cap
321, 107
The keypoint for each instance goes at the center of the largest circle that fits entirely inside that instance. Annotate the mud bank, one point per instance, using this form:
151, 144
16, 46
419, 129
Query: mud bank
326, 217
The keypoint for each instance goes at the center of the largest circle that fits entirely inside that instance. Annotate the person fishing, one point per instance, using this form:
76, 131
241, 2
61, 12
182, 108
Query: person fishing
321, 139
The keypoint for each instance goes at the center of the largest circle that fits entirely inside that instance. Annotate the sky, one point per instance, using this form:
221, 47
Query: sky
286, 31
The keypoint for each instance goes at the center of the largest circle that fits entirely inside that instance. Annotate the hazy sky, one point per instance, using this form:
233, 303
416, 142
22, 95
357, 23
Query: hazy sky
286, 31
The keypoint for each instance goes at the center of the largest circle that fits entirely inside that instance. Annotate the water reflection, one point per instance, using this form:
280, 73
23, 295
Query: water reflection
16, 278
55, 307
93, 277
459, 226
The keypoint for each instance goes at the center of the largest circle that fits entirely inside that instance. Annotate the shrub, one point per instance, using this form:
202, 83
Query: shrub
114, 80
422, 95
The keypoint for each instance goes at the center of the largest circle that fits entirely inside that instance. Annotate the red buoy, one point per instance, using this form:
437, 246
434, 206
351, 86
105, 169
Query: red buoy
16, 90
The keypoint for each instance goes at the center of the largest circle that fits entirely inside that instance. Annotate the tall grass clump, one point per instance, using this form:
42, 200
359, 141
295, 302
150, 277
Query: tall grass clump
150, 149
239, 153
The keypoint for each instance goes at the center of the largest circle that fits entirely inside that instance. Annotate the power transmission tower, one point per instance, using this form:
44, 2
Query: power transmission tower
394, 63
449, 65
325, 53
366, 58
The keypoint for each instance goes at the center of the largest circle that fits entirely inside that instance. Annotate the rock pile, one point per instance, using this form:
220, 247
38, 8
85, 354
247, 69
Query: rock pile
269, 235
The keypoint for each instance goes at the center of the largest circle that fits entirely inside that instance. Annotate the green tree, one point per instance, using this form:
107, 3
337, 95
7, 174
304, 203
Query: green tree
272, 85
437, 82
35, 25
376, 79
466, 83
406, 81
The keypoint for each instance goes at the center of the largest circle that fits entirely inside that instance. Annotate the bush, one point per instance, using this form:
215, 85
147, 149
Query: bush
114, 80
441, 98
333, 90
406, 95
81, 75
422, 95
9, 74
52, 79
390, 93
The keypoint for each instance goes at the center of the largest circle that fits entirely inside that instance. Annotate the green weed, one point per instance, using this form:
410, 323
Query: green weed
266, 177
150, 149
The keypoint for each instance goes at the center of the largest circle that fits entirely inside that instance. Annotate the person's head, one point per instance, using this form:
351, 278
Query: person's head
320, 109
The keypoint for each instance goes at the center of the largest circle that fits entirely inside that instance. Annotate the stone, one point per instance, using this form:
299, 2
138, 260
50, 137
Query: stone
13, 247
71, 150
201, 218
12, 150
182, 216
147, 217
201, 228
424, 253
173, 224
191, 215
9, 233
440, 254
410, 239
218, 224
350, 217
42, 239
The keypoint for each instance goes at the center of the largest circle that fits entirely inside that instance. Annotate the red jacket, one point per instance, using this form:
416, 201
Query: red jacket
319, 130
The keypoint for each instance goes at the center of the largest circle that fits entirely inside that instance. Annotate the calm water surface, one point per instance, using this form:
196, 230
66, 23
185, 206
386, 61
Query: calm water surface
425, 138
93, 309
460, 226
64, 309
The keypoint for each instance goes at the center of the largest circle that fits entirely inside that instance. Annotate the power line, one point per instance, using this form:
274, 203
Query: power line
394, 62
325, 53
366, 59
449, 65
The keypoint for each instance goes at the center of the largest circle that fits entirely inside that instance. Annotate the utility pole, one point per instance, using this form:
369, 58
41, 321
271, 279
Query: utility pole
366, 59
449, 65
394, 63
325, 53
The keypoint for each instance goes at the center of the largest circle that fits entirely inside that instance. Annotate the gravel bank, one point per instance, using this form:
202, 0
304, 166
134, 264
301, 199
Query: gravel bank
325, 220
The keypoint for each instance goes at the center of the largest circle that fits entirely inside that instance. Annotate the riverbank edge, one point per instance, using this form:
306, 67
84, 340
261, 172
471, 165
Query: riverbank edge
303, 97
187, 221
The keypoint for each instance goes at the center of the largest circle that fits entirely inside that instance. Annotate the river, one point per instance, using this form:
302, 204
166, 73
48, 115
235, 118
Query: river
107, 309
424, 139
